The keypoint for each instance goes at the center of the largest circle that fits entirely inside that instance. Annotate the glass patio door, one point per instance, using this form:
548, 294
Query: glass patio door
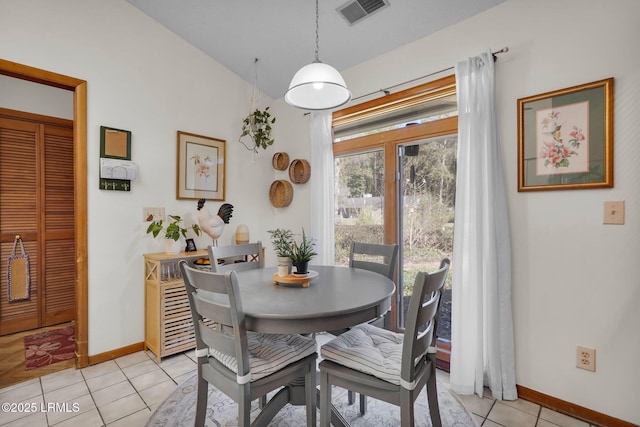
426, 187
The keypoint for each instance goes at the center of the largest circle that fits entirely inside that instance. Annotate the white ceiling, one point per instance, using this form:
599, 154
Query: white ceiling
281, 33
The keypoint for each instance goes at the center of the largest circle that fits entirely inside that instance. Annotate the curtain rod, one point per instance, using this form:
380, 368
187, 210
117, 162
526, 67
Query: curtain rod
386, 91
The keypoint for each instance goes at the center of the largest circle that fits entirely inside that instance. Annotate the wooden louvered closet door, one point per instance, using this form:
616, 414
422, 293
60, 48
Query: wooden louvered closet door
37, 202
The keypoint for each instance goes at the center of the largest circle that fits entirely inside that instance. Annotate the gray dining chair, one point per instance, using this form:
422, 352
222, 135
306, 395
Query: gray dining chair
242, 364
362, 359
236, 257
381, 259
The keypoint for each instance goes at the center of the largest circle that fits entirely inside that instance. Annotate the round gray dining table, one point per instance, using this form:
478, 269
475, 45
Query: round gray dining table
338, 298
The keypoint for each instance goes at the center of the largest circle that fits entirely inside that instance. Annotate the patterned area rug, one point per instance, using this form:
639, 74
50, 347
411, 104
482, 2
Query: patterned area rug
179, 410
45, 348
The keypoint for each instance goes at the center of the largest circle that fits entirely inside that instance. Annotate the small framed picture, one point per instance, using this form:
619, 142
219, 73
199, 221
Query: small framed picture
191, 246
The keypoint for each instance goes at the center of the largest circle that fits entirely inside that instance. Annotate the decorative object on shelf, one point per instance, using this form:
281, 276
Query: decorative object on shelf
317, 86
301, 253
565, 138
280, 193
172, 232
201, 167
242, 234
257, 125
213, 225
295, 279
281, 240
299, 171
116, 168
191, 246
280, 161
205, 261
172, 246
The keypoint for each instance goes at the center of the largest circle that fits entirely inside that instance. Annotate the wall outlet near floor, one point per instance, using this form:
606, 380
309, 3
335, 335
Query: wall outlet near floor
152, 214
586, 358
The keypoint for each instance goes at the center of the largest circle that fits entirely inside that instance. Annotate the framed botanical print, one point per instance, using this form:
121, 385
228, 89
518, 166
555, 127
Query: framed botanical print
201, 167
565, 138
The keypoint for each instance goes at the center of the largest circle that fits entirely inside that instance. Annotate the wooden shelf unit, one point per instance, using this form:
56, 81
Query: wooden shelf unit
168, 325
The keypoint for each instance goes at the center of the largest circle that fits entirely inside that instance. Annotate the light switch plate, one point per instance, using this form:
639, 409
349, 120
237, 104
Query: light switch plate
614, 212
152, 214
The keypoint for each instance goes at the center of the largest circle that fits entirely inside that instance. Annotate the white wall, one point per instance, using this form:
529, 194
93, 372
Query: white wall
23, 95
575, 280
142, 78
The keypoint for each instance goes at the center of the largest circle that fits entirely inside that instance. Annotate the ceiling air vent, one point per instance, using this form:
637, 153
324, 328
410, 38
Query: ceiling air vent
356, 10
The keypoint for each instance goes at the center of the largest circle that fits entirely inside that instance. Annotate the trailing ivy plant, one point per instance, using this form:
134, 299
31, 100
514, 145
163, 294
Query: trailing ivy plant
257, 126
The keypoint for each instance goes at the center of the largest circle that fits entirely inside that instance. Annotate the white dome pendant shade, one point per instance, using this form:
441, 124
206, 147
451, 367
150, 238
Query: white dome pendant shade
317, 86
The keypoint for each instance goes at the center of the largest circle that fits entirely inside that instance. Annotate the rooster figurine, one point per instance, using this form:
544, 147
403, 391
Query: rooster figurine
213, 225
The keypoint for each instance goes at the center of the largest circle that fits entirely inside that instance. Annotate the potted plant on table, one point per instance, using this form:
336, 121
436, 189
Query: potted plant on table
281, 239
301, 253
172, 232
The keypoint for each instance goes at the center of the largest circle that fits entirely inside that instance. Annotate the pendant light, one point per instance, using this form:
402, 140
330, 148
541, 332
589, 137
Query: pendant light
317, 86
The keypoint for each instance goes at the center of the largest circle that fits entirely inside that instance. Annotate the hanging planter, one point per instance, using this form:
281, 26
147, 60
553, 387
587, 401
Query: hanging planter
257, 126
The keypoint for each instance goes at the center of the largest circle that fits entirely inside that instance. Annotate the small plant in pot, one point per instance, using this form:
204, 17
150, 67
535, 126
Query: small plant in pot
257, 126
172, 232
301, 253
281, 240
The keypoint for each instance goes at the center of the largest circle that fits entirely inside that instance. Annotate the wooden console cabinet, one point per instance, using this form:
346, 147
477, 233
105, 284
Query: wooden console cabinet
168, 325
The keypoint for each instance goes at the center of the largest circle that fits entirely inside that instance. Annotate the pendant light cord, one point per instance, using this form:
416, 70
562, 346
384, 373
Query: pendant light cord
317, 33
254, 103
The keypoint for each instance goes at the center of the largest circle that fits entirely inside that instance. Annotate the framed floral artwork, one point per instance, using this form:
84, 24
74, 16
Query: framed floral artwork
201, 167
565, 138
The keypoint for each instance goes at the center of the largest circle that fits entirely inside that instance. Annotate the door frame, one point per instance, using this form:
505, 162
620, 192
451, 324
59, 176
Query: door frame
79, 89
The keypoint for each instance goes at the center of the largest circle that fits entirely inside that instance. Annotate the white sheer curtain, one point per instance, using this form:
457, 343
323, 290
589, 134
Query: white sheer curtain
322, 202
482, 329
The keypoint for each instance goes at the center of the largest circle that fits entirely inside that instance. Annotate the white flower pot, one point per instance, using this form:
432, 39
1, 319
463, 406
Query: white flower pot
286, 261
172, 246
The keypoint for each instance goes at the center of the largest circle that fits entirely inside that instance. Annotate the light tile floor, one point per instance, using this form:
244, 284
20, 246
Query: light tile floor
123, 393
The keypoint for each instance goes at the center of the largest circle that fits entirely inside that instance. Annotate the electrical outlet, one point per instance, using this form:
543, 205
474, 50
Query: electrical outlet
152, 214
586, 358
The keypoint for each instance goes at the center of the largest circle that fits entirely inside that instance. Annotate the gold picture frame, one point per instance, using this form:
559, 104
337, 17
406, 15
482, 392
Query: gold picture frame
565, 138
201, 167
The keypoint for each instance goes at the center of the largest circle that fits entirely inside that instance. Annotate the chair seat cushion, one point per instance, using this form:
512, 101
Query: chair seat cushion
268, 353
366, 348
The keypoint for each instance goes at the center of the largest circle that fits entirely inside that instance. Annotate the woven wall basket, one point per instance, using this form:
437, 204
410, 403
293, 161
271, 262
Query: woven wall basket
280, 193
280, 161
299, 171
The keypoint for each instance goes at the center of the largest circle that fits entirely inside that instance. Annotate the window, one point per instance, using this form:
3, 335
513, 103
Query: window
395, 181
